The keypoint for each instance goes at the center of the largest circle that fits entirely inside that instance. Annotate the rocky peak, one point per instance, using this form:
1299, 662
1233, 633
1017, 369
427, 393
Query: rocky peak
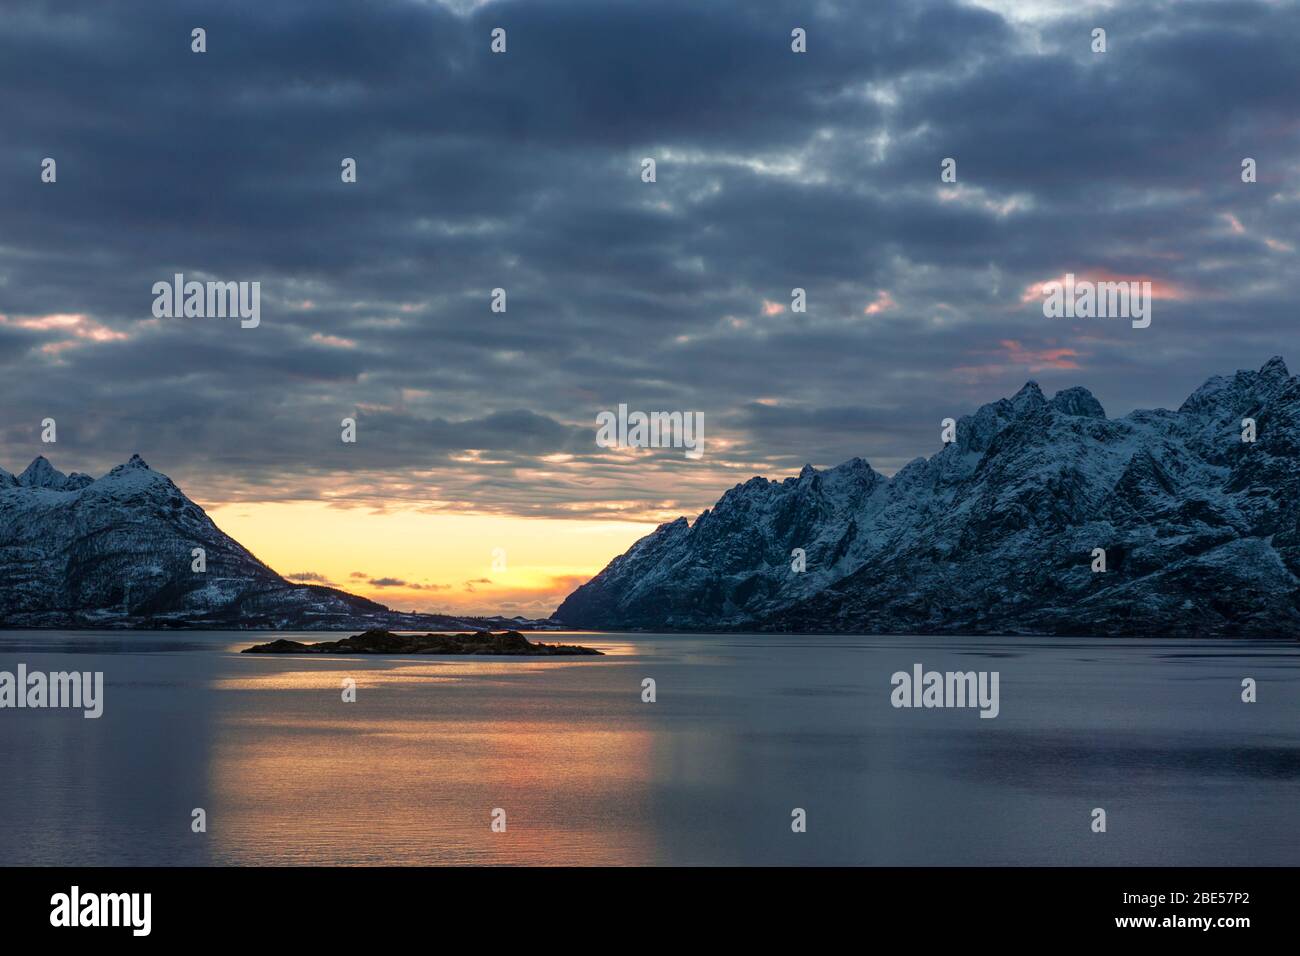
134, 475
852, 477
1274, 366
41, 474
1077, 401
1221, 395
1029, 397
854, 466
1274, 370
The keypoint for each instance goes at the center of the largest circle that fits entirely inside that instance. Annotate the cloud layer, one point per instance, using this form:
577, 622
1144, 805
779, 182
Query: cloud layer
522, 171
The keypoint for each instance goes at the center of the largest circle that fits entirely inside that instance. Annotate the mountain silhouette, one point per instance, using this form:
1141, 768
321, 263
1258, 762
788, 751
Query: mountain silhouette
995, 534
119, 552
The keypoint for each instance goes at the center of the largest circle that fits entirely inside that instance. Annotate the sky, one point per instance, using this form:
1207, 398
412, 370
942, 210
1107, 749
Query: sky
476, 483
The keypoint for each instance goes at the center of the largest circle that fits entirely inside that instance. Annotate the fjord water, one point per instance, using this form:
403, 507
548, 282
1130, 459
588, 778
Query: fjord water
745, 728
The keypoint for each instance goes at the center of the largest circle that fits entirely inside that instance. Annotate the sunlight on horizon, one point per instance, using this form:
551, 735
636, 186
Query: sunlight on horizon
420, 561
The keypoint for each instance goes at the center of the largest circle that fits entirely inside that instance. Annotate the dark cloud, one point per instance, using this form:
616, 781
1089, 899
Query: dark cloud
522, 171
309, 577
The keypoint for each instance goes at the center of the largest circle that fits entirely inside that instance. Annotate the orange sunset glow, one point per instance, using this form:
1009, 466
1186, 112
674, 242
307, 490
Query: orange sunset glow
420, 561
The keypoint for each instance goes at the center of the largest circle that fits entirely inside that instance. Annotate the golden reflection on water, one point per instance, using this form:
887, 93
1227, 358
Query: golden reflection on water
376, 672
409, 774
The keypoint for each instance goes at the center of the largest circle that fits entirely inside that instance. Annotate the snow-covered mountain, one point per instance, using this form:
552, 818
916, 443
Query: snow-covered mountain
118, 552
995, 533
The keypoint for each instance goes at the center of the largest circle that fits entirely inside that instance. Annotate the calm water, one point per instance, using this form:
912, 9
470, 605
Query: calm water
744, 729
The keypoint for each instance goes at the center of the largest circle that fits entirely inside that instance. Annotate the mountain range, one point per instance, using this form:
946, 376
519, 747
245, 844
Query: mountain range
996, 533
79, 552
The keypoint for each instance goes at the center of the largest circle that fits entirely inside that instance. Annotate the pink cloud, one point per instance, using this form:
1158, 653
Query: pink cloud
333, 341
1036, 359
883, 302
1160, 288
1012, 355
772, 308
76, 326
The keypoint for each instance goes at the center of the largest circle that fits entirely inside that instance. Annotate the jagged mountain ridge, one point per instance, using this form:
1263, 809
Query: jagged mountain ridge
994, 534
117, 552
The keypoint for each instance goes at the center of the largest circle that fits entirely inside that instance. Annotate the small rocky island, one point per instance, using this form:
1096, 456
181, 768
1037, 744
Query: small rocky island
376, 641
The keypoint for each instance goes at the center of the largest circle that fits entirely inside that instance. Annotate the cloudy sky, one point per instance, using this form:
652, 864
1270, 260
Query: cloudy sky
522, 170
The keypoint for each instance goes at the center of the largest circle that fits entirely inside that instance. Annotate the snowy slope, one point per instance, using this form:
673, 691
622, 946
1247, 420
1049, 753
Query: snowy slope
117, 552
994, 534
